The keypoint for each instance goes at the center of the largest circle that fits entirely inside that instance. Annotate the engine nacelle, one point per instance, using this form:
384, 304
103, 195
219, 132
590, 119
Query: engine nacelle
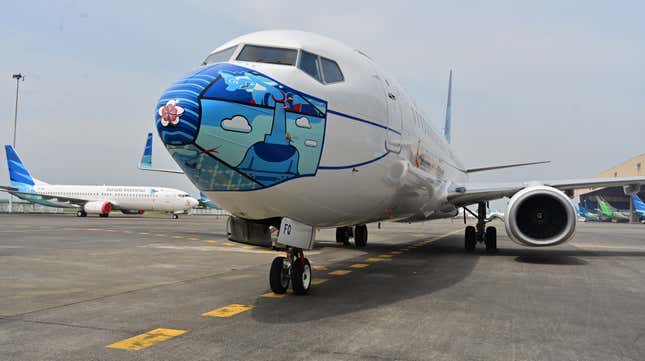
97, 207
540, 216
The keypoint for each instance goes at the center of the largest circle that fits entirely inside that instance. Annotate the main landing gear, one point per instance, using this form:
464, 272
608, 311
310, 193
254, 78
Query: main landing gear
343, 234
81, 214
480, 233
294, 269
175, 216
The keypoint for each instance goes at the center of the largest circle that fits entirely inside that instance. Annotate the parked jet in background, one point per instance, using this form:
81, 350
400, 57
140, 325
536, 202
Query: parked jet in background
93, 199
587, 215
639, 206
298, 131
608, 210
204, 202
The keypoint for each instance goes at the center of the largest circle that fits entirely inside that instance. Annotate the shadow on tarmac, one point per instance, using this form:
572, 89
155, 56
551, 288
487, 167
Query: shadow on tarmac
421, 271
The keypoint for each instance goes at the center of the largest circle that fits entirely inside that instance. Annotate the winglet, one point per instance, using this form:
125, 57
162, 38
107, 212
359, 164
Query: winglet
146, 158
448, 124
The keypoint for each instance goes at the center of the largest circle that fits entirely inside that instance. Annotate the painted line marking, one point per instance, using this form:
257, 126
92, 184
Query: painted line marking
384, 256
318, 281
161, 235
360, 265
228, 311
147, 339
249, 247
177, 237
211, 241
144, 233
228, 244
320, 268
274, 295
396, 252
127, 231
194, 239
374, 259
340, 272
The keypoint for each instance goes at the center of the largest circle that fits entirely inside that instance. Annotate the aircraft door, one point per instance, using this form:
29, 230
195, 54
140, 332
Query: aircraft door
394, 118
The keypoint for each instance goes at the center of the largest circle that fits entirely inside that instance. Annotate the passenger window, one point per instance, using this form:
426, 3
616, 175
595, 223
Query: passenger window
309, 64
265, 54
220, 56
331, 71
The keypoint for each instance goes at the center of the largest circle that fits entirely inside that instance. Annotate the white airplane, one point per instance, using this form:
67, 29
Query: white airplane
99, 200
297, 131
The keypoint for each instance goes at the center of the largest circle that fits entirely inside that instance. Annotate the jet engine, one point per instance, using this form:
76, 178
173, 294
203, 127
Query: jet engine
97, 207
540, 216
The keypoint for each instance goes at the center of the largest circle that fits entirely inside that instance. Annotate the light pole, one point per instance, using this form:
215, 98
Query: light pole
18, 78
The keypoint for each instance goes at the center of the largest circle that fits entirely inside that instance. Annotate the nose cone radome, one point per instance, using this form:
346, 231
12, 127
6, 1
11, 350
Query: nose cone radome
232, 128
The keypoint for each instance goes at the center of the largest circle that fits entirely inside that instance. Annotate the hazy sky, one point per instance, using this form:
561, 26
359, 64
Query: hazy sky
557, 80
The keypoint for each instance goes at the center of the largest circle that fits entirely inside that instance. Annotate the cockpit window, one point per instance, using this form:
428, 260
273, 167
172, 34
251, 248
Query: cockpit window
309, 64
331, 70
220, 56
265, 54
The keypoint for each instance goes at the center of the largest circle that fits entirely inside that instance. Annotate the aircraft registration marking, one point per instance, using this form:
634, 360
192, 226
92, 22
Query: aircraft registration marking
340, 272
147, 339
228, 311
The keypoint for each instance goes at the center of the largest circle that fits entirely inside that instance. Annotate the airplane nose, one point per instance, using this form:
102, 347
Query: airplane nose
193, 203
232, 128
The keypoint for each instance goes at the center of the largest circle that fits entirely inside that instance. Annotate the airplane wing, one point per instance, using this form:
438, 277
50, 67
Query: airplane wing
464, 196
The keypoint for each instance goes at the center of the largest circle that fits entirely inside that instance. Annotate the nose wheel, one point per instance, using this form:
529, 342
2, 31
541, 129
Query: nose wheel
480, 233
294, 269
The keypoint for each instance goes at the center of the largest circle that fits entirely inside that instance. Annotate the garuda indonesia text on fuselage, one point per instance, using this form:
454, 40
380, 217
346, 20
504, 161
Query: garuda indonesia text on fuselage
299, 131
99, 200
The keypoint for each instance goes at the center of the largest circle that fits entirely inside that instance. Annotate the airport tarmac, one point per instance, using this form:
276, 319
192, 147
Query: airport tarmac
144, 288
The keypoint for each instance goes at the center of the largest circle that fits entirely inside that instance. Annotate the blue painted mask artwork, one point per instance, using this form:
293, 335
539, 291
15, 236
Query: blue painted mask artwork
233, 128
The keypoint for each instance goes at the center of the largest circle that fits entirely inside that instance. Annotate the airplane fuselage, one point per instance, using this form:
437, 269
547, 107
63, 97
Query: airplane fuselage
362, 133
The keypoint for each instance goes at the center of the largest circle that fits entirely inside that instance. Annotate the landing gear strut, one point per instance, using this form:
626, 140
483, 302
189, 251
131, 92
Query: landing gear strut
294, 269
480, 233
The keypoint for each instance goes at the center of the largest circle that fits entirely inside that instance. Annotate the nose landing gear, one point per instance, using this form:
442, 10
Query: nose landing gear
480, 233
294, 269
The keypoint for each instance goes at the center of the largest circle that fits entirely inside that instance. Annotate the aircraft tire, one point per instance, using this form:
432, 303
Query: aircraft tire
300, 276
278, 276
360, 236
103, 215
342, 235
175, 216
470, 238
81, 214
490, 239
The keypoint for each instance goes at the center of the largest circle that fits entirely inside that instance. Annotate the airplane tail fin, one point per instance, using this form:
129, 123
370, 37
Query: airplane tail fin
18, 173
639, 205
447, 126
202, 197
146, 158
